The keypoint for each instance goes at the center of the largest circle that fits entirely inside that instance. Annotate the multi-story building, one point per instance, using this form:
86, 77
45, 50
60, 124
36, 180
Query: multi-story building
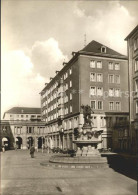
23, 113
22, 127
132, 44
95, 76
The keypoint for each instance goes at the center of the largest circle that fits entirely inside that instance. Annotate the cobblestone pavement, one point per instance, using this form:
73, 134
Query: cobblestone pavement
22, 175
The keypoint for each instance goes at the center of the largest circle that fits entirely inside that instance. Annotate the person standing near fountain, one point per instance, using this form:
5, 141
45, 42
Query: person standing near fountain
32, 150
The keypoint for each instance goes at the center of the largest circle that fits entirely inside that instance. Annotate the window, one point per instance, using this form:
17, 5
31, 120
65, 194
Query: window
66, 86
99, 64
111, 78
65, 75
110, 66
99, 77
136, 86
70, 122
117, 92
136, 106
100, 105
93, 91
117, 66
92, 76
117, 79
66, 99
92, 64
136, 65
118, 106
93, 105
99, 91
70, 71
111, 92
103, 49
111, 105
70, 108
11, 115
135, 44
30, 130
103, 122
22, 116
70, 83
94, 121
70, 96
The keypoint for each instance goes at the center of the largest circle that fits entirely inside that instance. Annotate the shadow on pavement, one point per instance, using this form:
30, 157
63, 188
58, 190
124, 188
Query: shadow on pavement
123, 164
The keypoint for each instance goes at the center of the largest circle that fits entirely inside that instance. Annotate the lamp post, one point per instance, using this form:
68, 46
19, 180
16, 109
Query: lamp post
42, 144
30, 142
61, 134
37, 144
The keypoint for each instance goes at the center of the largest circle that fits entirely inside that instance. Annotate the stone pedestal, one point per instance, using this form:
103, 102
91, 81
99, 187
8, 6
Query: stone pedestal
87, 143
92, 151
84, 151
79, 152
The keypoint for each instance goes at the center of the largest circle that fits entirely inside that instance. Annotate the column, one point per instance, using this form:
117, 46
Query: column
59, 141
24, 142
63, 142
73, 145
68, 141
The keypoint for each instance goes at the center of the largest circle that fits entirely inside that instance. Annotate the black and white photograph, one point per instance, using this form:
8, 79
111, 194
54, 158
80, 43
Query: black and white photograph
69, 97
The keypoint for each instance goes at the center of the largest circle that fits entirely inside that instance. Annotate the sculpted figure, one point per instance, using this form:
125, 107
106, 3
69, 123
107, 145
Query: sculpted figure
87, 111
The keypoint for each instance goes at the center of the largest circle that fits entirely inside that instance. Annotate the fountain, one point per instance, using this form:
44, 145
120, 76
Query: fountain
87, 155
87, 140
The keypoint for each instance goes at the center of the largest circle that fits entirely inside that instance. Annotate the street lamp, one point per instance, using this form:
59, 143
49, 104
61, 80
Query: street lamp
42, 144
36, 143
30, 142
61, 134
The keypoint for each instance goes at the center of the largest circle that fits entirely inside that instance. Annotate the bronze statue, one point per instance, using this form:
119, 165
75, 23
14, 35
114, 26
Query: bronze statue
87, 111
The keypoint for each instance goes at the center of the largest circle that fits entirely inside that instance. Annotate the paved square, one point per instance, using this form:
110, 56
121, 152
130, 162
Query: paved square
22, 175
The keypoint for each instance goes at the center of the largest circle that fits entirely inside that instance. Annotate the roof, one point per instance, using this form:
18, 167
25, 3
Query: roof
95, 47
24, 110
131, 33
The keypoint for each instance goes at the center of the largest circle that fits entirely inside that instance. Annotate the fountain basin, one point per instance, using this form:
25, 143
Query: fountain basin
64, 161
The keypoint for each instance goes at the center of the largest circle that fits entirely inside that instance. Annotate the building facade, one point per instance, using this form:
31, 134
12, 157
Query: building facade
22, 127
96, 76
23, 114
132, 44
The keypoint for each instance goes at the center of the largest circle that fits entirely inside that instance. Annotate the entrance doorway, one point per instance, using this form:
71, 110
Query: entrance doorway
6, 143
41, 141
18, 141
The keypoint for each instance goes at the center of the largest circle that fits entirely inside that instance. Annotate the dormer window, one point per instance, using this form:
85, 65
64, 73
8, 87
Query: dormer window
103, 49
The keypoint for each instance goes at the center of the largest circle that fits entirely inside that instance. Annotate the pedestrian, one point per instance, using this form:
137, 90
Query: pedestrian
32, 150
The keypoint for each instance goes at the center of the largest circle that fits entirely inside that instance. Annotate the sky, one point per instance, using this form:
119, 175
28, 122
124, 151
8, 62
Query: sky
37, 36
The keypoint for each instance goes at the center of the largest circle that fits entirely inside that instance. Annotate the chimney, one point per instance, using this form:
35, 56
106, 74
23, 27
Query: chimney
57, 72
64, 63
51, 78
73, 53
46, 84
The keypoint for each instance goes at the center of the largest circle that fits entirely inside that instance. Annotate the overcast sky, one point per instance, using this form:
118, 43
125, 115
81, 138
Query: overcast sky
37, 36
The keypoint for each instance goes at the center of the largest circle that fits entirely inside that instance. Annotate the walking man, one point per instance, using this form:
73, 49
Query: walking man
32, 150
